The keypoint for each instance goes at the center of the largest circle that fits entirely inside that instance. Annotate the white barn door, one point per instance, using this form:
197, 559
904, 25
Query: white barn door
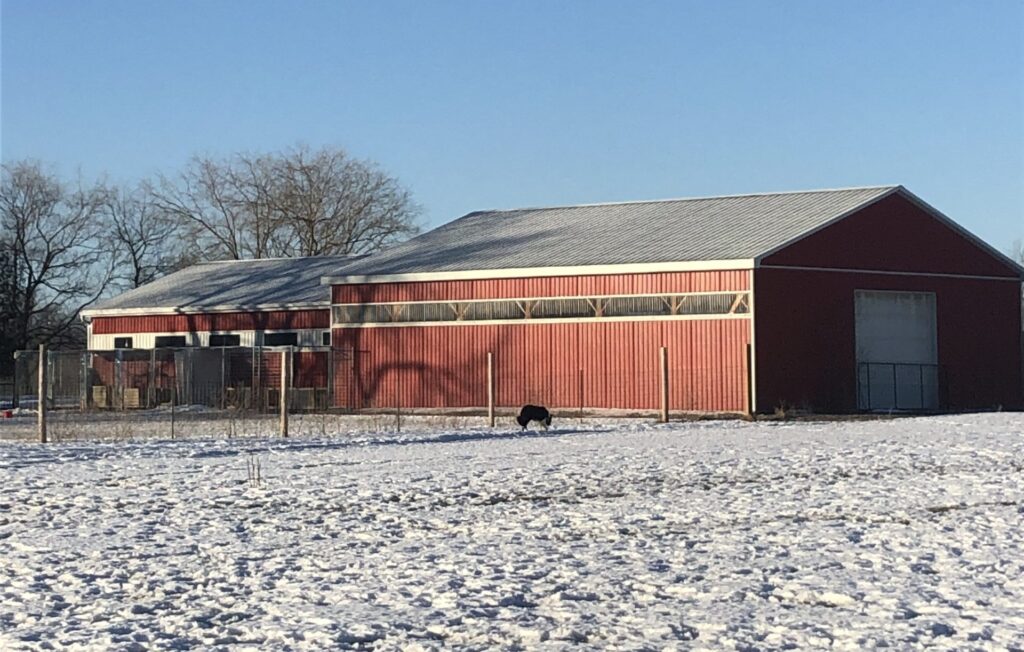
897, 355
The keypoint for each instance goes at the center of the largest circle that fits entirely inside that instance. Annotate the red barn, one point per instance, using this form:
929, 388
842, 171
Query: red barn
832, 301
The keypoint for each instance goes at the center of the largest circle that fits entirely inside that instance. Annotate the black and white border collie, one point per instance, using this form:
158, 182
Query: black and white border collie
536, 413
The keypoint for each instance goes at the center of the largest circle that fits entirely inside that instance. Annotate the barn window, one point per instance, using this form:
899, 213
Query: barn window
122, 342
325, 338
492, 310
218, 339
636, 306
562, 309
170, 341
654, 305
281, 339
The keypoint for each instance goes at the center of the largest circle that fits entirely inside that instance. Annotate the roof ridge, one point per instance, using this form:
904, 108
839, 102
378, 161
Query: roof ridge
266, 260
679, 199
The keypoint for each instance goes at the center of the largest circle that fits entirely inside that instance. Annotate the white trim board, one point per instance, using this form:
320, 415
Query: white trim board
542, 320
659, 295
737, 264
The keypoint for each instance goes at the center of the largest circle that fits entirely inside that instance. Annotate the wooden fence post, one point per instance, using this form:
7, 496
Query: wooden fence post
41, 402
579, 389
286, 360
663, 358
174, 399
490, 389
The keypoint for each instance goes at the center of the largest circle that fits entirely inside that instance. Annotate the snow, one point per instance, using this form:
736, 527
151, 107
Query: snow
624, 534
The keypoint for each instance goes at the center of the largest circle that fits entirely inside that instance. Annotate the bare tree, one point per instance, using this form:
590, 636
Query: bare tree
297, 203
56, 260
329, 203
144, 238
1017, 251
207, 204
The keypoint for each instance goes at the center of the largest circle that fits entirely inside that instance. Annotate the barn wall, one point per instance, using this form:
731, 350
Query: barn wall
445, 366
805, 343
557, 286
893, 234
222, 321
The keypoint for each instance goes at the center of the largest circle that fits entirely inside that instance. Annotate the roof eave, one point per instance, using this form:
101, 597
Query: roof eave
984, 246
198, 310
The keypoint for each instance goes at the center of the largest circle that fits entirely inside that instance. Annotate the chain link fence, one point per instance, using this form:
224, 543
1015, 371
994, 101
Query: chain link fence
236, 391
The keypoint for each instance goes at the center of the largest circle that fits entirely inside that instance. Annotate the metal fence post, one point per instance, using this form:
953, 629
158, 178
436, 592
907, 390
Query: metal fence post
490, 389
285, 363
223, 395
150, 387
41, 402
15, 402
895, 390
174, 399
663, 357
84, 385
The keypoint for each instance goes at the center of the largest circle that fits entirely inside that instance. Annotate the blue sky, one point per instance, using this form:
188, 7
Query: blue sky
485, 104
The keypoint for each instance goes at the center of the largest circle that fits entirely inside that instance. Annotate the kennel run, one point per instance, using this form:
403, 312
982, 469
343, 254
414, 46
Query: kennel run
860, 299
237, 378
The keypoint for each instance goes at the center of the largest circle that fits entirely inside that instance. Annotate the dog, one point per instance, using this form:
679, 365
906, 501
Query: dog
536, 413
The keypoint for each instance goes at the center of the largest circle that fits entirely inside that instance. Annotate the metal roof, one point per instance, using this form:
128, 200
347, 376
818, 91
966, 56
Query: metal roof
269, 283
647, 232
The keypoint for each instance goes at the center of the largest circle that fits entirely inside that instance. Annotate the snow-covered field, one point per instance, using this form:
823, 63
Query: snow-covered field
902, 533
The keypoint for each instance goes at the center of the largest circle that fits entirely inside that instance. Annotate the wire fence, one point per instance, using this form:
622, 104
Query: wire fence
237, 391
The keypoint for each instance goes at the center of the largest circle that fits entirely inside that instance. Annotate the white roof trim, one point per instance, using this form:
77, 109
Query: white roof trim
533, 272
199, 310
922, 204
984, 246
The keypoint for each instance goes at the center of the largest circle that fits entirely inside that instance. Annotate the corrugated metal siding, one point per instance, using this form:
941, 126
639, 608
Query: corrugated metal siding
543, 287
806, 353
226, 321
617, 363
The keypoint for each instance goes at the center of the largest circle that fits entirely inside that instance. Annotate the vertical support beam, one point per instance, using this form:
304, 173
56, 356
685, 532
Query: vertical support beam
490, 389
41, 403
286, 363
663, 359
752, 307
750, 381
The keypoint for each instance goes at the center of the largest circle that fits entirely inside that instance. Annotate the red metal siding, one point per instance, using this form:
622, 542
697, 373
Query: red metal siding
445, 366
222, 321
893, 234
806, 348
554, 286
